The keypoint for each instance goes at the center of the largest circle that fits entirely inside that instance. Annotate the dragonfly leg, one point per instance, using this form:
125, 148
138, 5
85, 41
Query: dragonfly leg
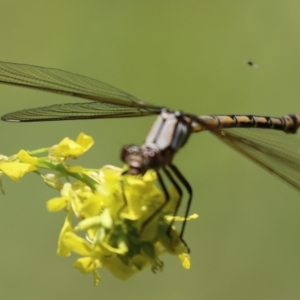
179, 191
189, 189
123, 194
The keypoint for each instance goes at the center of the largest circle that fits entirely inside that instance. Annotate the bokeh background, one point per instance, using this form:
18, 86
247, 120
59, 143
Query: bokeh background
183, 54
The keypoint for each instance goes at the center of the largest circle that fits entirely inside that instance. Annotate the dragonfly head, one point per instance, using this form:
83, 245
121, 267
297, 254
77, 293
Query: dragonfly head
141, 159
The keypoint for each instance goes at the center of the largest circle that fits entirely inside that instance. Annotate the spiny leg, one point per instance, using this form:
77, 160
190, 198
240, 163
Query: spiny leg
179, 191
189, 189
123, 194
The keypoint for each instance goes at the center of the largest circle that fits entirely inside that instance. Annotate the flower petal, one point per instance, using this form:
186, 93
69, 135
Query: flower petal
185, 260
77, 244
85, 141
69, 148
16, 170
62, 249
84, 264
57, 204
26, 158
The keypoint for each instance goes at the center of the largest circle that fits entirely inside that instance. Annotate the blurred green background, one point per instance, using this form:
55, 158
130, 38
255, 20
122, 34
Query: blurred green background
183, 54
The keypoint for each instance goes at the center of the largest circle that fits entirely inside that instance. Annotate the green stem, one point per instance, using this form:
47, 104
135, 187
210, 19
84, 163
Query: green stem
59, 167
38, 151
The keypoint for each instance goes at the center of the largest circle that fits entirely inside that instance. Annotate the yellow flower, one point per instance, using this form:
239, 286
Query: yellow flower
18, 165
87, 265
25, 157
125, 230
15, 170
113, 220
59, 203
68, 148
185, 260
63, 249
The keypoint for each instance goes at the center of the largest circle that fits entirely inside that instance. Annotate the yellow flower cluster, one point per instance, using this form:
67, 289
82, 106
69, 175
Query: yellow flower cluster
113, 220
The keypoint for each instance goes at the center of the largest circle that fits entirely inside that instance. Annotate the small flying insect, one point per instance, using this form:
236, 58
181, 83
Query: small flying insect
251, 63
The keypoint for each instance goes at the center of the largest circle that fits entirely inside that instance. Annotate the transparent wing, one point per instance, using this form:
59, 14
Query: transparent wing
76, 111
274, 150
109, 101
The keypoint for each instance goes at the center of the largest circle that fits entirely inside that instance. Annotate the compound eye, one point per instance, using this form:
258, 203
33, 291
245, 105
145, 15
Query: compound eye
128, 150
125, 152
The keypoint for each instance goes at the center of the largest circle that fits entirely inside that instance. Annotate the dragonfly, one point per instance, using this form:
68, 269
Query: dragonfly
270, 142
